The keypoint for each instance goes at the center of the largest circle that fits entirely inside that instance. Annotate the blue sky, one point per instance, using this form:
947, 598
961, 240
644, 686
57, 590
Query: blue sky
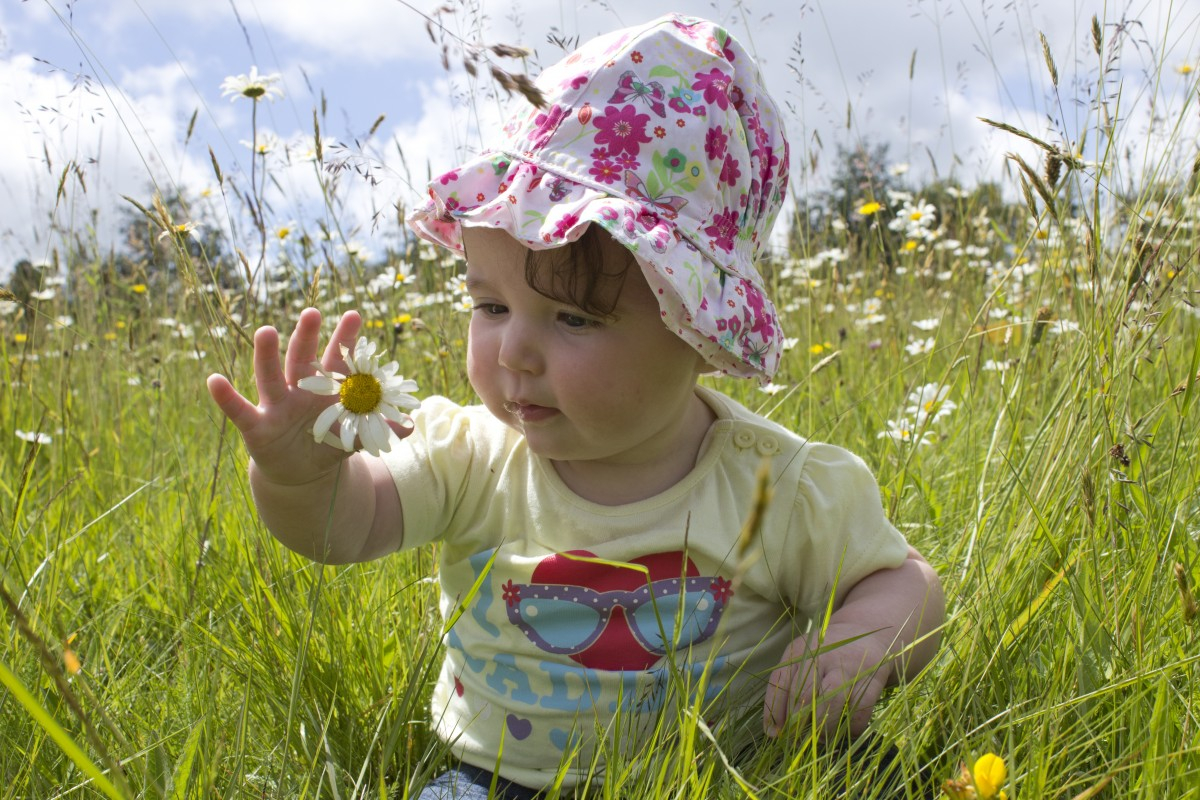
109, 86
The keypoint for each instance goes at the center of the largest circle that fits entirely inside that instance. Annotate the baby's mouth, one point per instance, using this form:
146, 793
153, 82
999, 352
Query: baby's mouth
528, 412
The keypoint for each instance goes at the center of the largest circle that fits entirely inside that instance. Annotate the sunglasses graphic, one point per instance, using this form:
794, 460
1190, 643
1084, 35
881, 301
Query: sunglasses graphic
569, 619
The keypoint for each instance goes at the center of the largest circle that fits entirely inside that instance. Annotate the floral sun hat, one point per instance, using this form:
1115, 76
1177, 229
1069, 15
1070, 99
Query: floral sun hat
664, 135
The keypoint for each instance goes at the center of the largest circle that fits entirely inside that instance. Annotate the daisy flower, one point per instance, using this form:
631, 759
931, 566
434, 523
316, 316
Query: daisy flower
367, 398
929, 403
918, 347
33, 437
253, 86
905, 432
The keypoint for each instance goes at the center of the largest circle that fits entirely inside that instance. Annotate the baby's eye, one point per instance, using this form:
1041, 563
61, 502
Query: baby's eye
576, 321
490, 309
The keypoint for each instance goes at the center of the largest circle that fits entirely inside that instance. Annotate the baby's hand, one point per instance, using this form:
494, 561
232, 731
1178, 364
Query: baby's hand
278, 431
823, 681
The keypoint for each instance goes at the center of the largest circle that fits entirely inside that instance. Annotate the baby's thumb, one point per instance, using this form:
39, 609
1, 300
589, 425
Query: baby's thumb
403, 428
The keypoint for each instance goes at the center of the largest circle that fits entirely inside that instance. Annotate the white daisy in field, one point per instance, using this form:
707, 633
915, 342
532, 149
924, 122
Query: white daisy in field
929, 403
904, 431
918, 347
367, 398
33, 437
254, 86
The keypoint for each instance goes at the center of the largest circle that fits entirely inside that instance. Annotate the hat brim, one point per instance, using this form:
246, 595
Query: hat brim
722, 314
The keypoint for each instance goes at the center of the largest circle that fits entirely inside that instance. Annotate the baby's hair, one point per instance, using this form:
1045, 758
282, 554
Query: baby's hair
584, 273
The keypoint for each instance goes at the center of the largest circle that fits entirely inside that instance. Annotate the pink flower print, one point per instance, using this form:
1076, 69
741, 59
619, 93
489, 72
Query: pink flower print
605, 171
578, 80
448, 177
546, 124
715, 85
730, 171
683, 99
723, 229
764, 323
623, 130
737, 97
565, 223
609, 213
715, 142
511, 593
626, 161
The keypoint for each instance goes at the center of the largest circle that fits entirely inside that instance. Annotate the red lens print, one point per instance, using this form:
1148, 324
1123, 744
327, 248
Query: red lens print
615, 618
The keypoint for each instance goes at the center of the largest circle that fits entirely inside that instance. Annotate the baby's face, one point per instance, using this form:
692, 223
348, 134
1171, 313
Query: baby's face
580, 386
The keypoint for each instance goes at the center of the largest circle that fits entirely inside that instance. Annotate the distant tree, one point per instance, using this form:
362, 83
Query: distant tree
150, 254
26, 279
861, 174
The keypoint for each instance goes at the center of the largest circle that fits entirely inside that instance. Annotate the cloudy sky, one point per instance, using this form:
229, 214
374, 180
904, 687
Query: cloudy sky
104, 91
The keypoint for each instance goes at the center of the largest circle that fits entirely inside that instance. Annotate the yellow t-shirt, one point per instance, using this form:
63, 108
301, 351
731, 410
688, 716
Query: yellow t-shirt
584, 609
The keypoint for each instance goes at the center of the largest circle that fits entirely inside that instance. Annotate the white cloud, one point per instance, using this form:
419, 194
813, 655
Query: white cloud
825, 61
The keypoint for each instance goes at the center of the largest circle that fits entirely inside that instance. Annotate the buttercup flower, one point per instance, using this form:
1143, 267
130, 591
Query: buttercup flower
253, 85
867, 209
982, 783
367, 398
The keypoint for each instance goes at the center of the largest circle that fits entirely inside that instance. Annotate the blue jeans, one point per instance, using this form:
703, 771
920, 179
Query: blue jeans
465, 782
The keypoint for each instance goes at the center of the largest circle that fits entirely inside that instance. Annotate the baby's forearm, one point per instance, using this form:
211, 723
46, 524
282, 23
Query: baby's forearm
903, 609
331, 519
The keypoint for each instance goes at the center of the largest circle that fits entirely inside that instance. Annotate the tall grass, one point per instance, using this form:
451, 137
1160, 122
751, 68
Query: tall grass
159, 643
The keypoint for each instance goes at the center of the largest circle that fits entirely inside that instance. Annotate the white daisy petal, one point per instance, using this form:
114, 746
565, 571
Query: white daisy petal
349, 423
389, 411
320, 384
375, 435
325, 421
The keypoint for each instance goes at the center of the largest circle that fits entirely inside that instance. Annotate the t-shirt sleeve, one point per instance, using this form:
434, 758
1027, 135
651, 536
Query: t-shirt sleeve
839, 528
432, 468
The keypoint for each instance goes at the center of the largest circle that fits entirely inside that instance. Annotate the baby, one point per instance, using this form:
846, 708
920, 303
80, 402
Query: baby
592, 512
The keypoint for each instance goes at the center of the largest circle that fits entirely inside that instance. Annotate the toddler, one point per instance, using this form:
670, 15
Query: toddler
590, 511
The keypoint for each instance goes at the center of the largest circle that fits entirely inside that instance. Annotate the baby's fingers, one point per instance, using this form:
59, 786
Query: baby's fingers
791, 687
268, 374
240, 411
343, 336
302, 345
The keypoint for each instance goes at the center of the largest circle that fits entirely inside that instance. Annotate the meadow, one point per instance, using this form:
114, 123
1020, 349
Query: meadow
1017, 360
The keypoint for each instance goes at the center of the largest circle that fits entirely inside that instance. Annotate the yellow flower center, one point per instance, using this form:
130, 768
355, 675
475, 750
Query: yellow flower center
360, 393
254, 91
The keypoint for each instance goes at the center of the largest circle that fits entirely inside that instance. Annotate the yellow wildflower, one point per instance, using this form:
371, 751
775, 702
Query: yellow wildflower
990, 773
139, 288
982, 783
867, 209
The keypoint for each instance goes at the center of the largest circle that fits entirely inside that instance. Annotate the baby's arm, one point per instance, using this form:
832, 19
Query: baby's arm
889, 623
294, 479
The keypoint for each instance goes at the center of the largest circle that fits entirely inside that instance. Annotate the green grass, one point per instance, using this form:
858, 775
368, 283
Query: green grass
1055, 500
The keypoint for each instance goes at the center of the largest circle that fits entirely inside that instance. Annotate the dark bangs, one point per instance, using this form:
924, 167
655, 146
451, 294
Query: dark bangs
588, 273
